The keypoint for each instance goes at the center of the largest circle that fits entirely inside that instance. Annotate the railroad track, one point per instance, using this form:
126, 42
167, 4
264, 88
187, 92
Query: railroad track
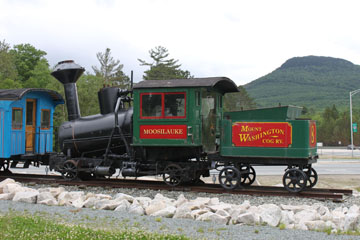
336, 195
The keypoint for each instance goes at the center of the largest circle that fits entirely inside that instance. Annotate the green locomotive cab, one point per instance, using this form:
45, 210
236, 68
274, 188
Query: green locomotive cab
176, 123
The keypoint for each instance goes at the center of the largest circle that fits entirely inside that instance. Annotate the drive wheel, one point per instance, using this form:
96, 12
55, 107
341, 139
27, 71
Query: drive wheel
69, 171
248, 175
4, 166
312, 177
229, 177
294, 180
173, 175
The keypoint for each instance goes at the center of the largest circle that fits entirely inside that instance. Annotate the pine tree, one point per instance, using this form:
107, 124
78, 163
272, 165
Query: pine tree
111, 70
163, 68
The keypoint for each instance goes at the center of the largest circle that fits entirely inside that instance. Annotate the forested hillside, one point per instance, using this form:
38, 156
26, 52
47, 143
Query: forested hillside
312, 81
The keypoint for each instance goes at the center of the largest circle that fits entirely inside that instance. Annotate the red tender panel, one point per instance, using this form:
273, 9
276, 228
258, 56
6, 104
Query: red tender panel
262, 134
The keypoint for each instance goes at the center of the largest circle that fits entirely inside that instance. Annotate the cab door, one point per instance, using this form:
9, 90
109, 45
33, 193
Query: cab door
30, 125
208, 116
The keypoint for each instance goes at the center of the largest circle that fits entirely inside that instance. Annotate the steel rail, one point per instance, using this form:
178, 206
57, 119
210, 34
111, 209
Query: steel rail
336, 195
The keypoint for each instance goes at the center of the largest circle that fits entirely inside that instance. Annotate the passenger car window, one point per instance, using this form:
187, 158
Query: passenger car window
16, 118
45, 119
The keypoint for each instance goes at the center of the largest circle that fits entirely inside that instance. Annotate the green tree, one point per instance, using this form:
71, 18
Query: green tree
26, 57
88, 86
238, 101
40, 76
162, 67
111, 70
8, 73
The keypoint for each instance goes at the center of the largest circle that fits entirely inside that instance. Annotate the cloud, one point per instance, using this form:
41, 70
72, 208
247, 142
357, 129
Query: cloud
243, 40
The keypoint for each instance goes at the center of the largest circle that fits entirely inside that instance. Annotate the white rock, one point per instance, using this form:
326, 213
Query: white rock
54, 191
49, 202
287, 217
167, 212
294, 209
200, 202
181, 200
124, 205
338, 218
246, 218
136, 208
66, 198
106, 204
316, 225
5, 182
121, 196
45, 198
144, 201
213, 217
13, 188
354, 209
301, 226
184, 211
321, 209
306, 216
160, 197
221, 206
6, 196
28, 197
223, 213
103, 196
245, 205
78, 203
351, 221
196, 213
90, 202
270, 214
154, 206
214, 201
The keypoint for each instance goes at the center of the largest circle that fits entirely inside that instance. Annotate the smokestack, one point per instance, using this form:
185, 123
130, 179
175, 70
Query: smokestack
68, 72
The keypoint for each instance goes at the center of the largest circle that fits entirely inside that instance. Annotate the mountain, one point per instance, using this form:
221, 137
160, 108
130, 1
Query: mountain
312, 81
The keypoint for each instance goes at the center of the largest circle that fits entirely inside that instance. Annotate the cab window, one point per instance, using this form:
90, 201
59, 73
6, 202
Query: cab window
163, 105
17, 118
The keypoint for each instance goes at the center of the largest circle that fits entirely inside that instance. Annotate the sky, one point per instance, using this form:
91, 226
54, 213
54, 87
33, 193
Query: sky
239, 39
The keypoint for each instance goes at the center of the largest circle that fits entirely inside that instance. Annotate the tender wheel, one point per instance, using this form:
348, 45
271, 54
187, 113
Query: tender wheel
69, 171
229, 177
312, 177
248, 175
294, 180
173, 175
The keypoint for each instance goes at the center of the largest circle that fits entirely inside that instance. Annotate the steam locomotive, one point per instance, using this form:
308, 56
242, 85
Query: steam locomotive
177, 129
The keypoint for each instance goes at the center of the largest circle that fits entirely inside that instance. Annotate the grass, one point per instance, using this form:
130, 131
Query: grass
21, 227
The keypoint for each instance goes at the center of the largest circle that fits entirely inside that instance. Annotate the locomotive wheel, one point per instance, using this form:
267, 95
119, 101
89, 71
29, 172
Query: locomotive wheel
312, 177
294, 180
248, 175
4, 166
173, 175
69, 171
229, 177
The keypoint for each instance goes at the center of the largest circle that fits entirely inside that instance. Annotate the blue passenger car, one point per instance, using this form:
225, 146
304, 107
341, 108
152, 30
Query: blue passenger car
26, 124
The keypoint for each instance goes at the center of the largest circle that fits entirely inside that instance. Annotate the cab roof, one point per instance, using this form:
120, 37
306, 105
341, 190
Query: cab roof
222, 84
